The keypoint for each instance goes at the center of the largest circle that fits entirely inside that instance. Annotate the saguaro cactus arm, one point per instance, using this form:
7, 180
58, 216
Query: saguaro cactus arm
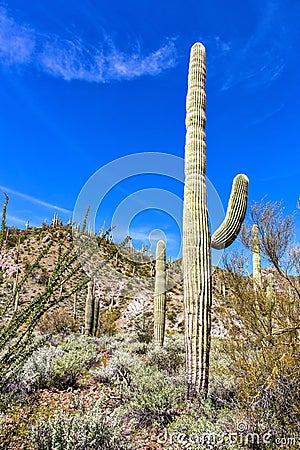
236, 210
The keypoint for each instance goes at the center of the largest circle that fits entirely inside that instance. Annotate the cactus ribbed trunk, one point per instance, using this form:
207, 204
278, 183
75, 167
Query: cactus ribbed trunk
89, 310
196, 237
96, 316
197, 241
160, 294
257, 278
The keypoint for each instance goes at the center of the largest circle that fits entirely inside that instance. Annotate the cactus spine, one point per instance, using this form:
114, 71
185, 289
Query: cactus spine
257, 278
197, 242
160, 294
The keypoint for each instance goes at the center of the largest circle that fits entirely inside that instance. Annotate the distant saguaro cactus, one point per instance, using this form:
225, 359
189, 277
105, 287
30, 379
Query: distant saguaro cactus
270, 287
55, 220
197, 241
160, 294
96, 315
89, 309
257, 278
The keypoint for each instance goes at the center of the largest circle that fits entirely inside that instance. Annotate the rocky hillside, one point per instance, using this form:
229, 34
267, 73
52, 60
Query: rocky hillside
123, 277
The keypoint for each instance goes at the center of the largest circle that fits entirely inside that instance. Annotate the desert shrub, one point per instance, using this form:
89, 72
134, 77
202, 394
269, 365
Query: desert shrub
263, 379
222, 383
107, 322
81, 343
14, 423
154, 398
38, 371
143, 327
262, 324
201, 429
268, 390
127, 342
139, 318
168, 358
137, 348
57, 321
91, 429
56, 366
111, 343
118, 370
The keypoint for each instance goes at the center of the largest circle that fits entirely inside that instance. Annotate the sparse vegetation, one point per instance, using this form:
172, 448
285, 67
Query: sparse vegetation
105, 367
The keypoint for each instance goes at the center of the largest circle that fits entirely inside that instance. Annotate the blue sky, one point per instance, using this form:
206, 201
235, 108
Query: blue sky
86, 82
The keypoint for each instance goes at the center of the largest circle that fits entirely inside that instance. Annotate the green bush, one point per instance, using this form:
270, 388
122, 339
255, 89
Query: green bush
169, 358
155, 398
57, 321
200, 430
83, 430
222, 384
118, 370
57, 366
123, 341
274, 408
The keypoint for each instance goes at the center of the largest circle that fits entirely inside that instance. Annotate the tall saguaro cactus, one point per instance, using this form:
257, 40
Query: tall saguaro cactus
257, 278
197, 241
160, 294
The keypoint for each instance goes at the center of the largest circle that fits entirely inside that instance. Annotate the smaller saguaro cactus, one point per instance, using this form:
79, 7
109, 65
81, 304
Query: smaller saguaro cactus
160, 294
55, 220
131, 247
96, 315
257, 278
89, 309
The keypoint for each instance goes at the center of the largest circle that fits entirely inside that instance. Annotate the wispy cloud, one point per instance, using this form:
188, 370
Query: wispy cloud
256, 60
34, 200
267, 116
17, 42
75, 59
15, 219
